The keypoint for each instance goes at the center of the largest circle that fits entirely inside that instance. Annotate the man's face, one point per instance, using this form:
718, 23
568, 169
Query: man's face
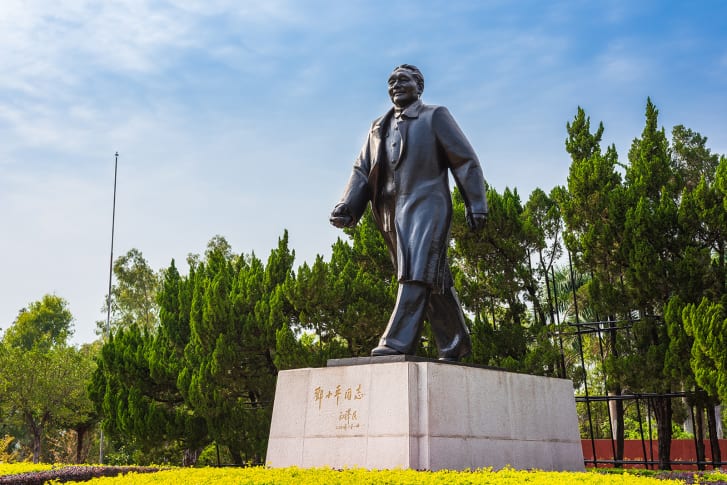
403, 89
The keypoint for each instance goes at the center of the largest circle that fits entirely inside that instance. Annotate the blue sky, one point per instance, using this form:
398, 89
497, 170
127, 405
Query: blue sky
243, 118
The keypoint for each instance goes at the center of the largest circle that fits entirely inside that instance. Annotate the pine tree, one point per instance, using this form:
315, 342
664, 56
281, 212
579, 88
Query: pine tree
652, 250
135, 384
236, 312
341, 306
593, 209
699, 273
491, 269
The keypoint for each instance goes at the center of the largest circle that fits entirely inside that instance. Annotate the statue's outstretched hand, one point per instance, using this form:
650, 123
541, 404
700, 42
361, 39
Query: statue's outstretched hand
476, 221
341, 216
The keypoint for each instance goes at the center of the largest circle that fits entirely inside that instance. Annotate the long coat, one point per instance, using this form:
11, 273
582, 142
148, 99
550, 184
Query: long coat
432, 145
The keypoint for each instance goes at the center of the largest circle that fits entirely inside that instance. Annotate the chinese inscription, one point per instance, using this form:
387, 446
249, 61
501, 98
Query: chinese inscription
348, 419
343, 400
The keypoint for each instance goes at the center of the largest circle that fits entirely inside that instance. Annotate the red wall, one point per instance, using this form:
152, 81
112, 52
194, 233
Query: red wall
681, 450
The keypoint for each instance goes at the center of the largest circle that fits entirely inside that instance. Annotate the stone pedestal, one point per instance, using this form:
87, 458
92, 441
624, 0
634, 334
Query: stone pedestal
414, 413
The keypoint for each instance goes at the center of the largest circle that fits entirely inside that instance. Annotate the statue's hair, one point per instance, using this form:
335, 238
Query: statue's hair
418, 77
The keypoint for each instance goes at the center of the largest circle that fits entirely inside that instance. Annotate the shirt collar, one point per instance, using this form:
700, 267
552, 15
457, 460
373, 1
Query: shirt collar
411, 111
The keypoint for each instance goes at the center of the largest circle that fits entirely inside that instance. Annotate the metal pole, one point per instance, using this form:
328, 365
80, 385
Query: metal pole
583, 363
111, 259
555, 317
107, 333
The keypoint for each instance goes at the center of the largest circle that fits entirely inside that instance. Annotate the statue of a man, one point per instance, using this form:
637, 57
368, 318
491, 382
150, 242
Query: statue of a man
403, 170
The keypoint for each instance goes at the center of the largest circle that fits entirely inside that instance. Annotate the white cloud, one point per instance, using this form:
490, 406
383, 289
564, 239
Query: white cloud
624, 62
42, 125
50, 44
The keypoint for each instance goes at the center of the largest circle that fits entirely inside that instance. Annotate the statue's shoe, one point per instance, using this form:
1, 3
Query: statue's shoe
382, 350
456, 356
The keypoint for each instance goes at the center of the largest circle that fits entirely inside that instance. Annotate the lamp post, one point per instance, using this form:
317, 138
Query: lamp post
107, 331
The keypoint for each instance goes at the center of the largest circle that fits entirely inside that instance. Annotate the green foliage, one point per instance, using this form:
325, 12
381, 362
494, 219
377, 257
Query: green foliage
135, 386
651, 170
45, 389
236, 312
141, 406
593, 209
703, 221
133, 295
706, 323
693, 160
676, 361
45, 323
340, 307
651, 244
491, 270
43, 382
652, 251
214, 455
543, 225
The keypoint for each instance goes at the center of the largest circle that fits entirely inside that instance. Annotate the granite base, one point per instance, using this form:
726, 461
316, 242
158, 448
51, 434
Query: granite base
423, 415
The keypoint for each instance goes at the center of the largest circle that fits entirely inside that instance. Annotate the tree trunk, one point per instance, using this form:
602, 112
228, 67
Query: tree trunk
699, 432
36, 430
236, 456
81, 433
616, 408
663, 414
620, 437
190, 456
713, 436
37, 435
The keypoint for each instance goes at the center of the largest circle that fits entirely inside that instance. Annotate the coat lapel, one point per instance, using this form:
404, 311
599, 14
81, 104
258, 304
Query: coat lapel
376, 149
408, 117
378, 126
376, 136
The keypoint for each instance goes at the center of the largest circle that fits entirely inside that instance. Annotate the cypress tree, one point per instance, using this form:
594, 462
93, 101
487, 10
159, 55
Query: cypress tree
652, 249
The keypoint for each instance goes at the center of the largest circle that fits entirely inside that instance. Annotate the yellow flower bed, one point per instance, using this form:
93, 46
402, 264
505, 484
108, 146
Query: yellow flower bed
295, 476
23, 467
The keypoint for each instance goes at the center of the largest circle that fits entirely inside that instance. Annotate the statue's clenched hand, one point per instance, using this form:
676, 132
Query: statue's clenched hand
341, 216
476, 221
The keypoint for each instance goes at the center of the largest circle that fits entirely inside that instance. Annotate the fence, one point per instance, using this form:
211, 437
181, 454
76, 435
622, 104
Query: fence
643, 454
643, 451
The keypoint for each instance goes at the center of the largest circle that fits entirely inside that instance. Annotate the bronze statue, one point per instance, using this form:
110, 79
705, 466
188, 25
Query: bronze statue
403, 169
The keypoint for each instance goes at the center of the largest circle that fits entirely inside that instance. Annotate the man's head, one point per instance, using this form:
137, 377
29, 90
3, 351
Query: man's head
406, 84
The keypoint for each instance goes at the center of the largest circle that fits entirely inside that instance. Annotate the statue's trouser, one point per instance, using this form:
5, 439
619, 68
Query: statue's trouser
416, 301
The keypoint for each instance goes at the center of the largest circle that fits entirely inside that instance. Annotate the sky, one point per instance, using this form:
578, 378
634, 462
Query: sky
242, 118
